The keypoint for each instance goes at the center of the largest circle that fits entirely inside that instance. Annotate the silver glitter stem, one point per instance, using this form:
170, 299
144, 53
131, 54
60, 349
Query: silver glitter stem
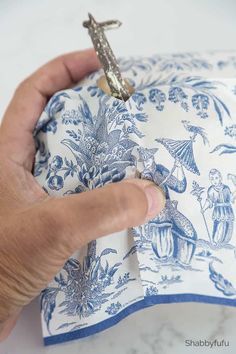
106, 56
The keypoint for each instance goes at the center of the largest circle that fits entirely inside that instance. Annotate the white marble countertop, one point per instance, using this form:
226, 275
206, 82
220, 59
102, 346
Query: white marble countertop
33, 32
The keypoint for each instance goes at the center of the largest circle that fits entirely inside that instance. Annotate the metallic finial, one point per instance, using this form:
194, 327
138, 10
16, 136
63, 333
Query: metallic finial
118, 86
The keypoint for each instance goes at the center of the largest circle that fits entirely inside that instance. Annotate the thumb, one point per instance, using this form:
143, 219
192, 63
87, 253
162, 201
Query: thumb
78, 219
50, 232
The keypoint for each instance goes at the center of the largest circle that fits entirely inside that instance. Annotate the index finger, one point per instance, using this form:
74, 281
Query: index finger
31, 97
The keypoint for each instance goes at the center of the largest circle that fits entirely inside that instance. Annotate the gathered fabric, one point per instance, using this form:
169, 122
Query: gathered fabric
177, 129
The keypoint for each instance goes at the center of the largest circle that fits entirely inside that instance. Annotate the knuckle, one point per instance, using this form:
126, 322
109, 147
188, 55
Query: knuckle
22, 86
120, 205
127, 200
36, 81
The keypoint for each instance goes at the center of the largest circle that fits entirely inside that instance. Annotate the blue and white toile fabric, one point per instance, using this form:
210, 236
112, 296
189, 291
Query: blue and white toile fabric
179, 130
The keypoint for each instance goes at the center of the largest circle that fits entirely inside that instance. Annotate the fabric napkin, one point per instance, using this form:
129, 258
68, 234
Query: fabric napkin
177, 129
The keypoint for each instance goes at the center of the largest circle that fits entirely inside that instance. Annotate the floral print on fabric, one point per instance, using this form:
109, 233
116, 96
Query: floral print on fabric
178, 129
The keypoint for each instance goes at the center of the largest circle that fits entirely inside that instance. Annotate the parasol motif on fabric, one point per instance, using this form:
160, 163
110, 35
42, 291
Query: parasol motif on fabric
181, 150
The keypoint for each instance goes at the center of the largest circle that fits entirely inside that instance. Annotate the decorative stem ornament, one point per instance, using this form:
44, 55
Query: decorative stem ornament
117, 86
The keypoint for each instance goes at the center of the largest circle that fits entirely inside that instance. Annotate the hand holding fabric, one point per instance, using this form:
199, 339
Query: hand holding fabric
38, 233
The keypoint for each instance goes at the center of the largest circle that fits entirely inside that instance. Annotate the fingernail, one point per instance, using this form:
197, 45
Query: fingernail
156, 200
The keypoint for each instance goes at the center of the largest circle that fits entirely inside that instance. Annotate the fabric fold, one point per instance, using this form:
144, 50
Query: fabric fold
177, 129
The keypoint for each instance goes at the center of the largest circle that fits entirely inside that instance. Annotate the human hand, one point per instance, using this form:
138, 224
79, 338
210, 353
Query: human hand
38, 233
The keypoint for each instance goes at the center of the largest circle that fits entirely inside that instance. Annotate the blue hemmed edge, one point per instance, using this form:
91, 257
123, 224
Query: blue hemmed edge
146, 302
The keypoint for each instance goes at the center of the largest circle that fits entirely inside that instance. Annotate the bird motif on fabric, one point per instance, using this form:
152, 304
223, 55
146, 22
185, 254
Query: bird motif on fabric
196, 130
